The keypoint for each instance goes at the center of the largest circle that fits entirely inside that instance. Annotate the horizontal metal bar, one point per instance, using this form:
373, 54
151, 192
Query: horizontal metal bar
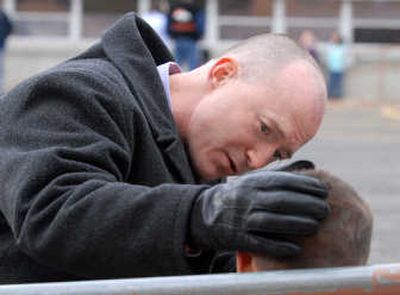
232, 20
377, 23
378, 279
313, 22
42, 16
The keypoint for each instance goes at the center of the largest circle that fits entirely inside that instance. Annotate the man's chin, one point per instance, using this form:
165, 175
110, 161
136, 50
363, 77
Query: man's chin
209, 175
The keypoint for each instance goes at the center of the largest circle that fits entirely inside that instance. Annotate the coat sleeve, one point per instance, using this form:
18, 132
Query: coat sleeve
65, 149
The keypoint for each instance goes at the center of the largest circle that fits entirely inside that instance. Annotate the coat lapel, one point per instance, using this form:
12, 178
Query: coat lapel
136, 50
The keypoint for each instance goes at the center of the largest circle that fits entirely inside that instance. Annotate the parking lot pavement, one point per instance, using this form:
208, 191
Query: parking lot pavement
361, 144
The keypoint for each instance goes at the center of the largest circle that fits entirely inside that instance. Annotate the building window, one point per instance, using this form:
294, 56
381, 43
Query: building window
376, 9
376, 22
320, 17
43, 5
243, 19
41, 17
313, 8
100, 14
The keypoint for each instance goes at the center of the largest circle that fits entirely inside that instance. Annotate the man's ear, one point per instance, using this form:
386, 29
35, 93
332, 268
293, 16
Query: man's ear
243, 262
223, 69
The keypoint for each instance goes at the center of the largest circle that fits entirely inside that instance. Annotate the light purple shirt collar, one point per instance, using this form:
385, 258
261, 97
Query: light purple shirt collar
165, 70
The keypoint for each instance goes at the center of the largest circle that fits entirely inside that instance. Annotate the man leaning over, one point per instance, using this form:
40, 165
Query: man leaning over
106, 159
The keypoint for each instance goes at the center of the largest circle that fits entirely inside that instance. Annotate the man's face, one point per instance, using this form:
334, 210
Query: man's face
241, 126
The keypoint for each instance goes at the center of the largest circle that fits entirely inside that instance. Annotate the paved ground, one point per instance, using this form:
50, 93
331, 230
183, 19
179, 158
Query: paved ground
361, 143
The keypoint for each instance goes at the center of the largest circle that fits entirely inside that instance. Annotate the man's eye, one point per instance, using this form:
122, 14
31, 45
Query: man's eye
264, 128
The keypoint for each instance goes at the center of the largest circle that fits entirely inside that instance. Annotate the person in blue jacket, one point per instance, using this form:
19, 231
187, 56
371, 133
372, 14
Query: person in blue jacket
336, 63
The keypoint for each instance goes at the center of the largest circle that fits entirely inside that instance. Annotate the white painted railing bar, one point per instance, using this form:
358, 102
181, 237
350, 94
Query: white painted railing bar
212, 29
76, 19
376, 279
9, 7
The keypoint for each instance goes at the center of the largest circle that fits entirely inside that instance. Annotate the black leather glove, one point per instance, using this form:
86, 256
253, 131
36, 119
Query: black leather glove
258, 212
291, 166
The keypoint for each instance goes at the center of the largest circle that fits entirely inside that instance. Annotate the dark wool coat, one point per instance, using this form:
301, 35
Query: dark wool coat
95, 182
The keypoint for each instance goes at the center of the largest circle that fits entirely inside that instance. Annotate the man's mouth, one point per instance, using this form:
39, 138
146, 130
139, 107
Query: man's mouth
232, 165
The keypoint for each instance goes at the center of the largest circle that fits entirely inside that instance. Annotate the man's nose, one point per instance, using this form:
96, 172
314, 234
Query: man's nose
258, 158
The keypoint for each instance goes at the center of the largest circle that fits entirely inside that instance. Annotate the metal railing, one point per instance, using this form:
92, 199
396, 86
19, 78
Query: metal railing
376, 279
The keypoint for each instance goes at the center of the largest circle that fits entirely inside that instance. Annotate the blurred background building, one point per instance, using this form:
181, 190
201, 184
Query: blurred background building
48, 31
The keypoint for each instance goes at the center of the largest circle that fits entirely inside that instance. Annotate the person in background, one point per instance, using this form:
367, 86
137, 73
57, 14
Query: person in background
186, 28
157, 18
5, 31
307, 40
343, 240
336, 63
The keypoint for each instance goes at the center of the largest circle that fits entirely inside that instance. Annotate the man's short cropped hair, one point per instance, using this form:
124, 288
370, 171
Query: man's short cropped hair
343, 238
262, 56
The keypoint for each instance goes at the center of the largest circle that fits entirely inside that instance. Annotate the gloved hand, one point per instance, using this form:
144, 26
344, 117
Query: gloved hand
290, 166
257, 212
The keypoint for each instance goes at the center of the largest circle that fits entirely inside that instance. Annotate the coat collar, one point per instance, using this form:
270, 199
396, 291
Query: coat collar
136, 50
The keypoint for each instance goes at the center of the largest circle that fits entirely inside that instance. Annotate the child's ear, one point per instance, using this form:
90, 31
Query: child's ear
243, 262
